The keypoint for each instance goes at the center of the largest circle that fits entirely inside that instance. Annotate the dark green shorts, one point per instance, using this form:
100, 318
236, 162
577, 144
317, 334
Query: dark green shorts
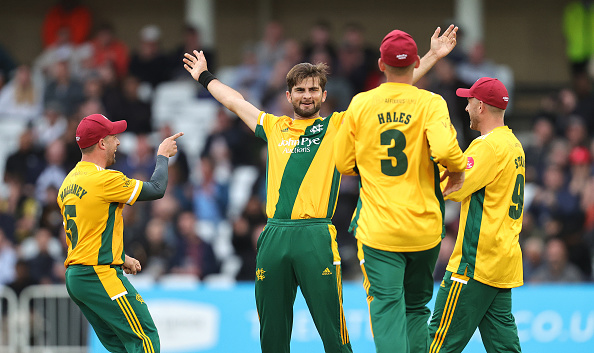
462, 305
399, 285
113, 307
300, 253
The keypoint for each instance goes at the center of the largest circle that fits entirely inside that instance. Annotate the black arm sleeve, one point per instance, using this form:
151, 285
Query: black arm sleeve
155, 188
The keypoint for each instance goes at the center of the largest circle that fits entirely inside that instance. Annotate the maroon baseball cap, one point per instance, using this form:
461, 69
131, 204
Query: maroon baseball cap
398, 49
95, 127
489, 90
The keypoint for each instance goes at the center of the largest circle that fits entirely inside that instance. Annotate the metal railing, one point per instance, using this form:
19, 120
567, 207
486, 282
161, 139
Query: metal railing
42, 319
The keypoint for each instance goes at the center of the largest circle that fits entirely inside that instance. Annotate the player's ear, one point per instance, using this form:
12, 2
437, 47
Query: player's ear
288, 96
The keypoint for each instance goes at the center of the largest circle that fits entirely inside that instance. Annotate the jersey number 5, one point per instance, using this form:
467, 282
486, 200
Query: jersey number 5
71, 229
515, 211
396, 151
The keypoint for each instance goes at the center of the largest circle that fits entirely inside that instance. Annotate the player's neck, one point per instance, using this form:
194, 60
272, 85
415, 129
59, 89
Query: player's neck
490, 126
93, 158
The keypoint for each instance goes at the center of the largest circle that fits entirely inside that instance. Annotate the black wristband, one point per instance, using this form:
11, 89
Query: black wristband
205, 78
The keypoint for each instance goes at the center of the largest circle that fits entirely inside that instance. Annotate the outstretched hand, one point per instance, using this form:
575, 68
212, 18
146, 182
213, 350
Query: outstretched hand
455, 181
443, 45
195, 64
168, 147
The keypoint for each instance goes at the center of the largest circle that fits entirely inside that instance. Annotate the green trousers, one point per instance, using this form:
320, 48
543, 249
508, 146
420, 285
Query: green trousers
300, 253
399, 285
462, 305
118, 314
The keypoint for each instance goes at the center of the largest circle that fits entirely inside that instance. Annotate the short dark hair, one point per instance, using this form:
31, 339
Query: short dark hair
88, 149
303, 71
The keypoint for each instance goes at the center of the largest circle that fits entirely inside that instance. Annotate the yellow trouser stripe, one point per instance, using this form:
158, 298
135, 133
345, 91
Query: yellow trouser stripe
367, 285
135, 324
446, 317
135, 318
344, 334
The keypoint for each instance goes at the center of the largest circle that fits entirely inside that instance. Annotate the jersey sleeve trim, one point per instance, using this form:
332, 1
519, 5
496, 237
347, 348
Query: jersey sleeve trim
135, 193
261, 118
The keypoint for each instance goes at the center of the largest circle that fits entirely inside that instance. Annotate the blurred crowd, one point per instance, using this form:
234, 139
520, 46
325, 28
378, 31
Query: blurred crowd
84, 68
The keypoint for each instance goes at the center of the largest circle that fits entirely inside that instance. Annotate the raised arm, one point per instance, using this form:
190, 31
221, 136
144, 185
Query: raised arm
440, 47
227, 96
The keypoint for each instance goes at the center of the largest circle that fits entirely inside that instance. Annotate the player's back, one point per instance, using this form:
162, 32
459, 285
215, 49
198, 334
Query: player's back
91, 200
400, 132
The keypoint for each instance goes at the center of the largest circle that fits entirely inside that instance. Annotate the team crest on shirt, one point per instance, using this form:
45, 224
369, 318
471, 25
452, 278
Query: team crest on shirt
469, 163
126, 181
139, 298
260, 274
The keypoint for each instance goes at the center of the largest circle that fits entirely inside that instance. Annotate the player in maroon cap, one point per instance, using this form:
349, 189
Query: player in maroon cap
92, 199
394, 136
487, 260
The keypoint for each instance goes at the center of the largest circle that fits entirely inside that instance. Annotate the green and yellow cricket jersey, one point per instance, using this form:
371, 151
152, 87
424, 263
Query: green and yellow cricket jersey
302, 181
393, 136
487, 247
92, 200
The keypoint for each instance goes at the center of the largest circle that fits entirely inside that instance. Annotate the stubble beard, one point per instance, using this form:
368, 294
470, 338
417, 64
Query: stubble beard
307, 113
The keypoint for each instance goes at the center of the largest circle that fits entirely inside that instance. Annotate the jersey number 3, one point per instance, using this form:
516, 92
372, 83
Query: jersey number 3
396, 151
71, 229
515, 211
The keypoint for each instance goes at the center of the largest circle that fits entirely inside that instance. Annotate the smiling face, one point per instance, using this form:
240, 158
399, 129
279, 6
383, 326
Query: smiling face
473, 109
111, 143
307, 97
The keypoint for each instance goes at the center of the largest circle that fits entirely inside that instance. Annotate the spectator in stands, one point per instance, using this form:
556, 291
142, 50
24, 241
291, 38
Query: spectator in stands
542, 133
340, 90
54, 173
246, 230
277, 80
63, 49
51, 125
556, 267
108, 49
532, 256
249, 77
22, 97
554, 200
44, 253
8, 259
478, 65
194, 256
63, 89
128, 106
139, 162
148, 63
156, 254
191, 40
24, 165
240, 142
210, 197
576, 132
270, 49
320, 40
357, 59
70, 14
51, 216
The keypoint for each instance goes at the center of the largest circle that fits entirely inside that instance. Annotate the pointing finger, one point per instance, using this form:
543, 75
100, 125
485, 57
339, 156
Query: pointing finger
176, 136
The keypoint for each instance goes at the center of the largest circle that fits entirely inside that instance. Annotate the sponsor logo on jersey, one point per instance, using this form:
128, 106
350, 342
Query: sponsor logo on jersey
260, 274
326, 272
299, 145
139, 298
469, 163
